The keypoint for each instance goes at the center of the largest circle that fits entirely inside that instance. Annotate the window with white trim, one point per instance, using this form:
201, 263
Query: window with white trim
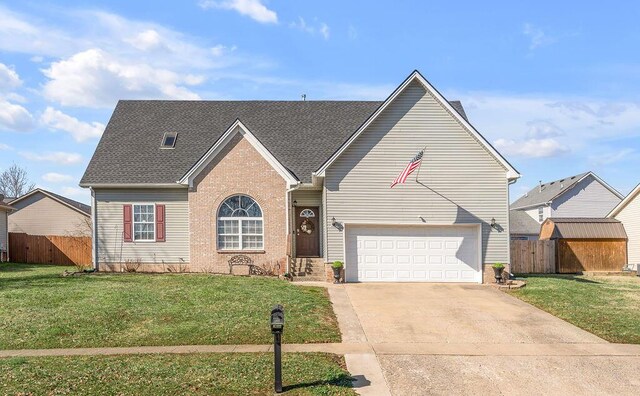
240, 224
144, 222
540, 214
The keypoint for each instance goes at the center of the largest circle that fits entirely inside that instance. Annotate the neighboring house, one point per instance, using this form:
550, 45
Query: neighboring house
586, 244
5, 209
522, 226
41, 212
628, 212
197, 183
583, 195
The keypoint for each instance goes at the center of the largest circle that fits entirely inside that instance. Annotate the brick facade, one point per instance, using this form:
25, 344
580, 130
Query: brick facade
237, 169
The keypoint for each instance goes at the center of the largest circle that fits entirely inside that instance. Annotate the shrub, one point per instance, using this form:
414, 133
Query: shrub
498, 266
337, 264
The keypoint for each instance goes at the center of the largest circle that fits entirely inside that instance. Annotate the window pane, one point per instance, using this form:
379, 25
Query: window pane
228, 227
225, 211
228, 242
252, 242
252, 226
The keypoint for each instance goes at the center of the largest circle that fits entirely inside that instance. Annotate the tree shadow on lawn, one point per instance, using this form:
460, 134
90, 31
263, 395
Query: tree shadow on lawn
565, 277
342, 380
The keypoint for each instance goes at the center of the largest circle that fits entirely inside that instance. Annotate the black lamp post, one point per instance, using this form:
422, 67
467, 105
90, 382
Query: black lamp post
277, 328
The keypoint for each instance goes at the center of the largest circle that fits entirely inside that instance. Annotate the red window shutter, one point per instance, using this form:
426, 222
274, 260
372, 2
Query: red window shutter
160, 223
127, 218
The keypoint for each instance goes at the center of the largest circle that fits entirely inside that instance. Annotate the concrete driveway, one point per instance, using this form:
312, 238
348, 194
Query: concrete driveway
462, 339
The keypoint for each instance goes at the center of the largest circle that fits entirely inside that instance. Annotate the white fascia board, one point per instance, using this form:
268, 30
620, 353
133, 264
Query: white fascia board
237, 127
512, 173
614, 212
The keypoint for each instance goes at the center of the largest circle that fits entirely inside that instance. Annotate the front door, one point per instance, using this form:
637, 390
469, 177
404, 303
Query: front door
307, 232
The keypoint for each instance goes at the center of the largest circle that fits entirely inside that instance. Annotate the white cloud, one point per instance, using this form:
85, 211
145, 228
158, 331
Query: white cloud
254, 9
53, 177
4, 146
537, 37
531, 148
95, 78
611, 157
57, 157
9, 79
14, 117
80, 130
352, 33
302, 25
146, 40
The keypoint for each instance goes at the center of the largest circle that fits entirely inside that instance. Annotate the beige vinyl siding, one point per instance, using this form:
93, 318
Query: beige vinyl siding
3, 230
461, 182
39, 214
630, 218
588, 198
109, 212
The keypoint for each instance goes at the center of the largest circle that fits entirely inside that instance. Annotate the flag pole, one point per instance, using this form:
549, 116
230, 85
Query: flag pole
420, 166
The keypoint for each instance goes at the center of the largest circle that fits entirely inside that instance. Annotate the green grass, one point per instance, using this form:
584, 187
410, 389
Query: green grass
41, 309
198, 374
607, 306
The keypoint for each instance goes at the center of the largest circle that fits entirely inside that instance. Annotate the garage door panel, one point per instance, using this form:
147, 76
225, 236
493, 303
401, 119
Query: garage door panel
412, 254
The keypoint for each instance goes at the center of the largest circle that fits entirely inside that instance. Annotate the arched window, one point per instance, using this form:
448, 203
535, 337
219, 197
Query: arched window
306, 213
240, 224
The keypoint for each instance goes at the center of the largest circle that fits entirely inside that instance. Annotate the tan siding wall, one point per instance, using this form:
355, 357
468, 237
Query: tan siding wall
630, 218
461, 181
3, 230
41, 215
589, 198
112, 249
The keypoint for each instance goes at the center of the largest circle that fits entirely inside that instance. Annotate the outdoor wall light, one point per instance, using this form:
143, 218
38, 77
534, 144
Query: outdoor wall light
493, 222
333, 221
295, 203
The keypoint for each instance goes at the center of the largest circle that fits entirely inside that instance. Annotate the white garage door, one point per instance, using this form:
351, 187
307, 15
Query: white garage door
412, 254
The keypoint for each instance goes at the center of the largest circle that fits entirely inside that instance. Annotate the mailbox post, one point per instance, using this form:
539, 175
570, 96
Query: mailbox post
277, 328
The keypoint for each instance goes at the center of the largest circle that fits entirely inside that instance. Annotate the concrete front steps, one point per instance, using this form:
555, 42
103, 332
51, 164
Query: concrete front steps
308, 269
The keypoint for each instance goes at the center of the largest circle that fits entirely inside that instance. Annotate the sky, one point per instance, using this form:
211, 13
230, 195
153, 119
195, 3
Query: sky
553, 86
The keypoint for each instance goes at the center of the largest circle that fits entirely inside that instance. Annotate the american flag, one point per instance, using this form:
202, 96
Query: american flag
413, 165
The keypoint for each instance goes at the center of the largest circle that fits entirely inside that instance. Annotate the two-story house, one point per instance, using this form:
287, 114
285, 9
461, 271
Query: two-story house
583, 195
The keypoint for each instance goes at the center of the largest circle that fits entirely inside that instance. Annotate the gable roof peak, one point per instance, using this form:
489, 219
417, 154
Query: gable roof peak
544, 193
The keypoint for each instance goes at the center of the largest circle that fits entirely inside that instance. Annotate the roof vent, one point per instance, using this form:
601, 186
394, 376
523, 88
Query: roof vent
540, 187
561, 185
169, 140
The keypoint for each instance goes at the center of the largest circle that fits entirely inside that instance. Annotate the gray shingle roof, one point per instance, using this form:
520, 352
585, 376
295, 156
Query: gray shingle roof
586, 228
71, 202
457, 105
538, 196
301, 135
522, 223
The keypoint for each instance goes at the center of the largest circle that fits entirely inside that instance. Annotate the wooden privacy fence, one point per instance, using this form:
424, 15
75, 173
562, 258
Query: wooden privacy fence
533, 257
49, 249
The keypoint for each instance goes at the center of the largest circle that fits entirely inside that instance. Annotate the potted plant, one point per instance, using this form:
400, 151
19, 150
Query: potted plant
337, 270
498, 268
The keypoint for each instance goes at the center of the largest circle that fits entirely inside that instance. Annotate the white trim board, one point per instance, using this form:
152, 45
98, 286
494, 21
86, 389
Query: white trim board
512, 173
237, 127
614, 212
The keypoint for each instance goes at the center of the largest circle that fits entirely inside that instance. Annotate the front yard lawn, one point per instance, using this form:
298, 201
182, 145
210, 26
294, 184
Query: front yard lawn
41, 309
198, 374
607, 306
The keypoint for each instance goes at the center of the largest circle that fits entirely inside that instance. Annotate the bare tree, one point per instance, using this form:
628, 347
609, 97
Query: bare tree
14, 182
